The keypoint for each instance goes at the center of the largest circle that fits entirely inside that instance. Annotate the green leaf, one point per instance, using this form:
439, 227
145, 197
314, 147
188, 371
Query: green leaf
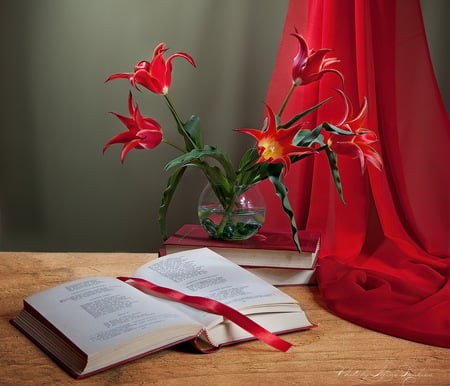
172, 184
221, 185
248, 159
304, 113
216, 177
273, 169
259, 172
195, 157
337, 130
306, 137
193, 129
282, 192
332, 160
250, 172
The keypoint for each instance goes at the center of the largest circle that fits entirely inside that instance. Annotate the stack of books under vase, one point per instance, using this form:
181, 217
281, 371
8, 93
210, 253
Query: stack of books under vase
269, 255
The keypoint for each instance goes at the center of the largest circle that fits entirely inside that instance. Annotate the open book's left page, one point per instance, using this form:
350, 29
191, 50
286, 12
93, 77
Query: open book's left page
106, 319
112, 310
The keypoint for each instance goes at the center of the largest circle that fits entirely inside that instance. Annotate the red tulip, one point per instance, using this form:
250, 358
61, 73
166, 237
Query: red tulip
358, 145
142, 133
155, 75
308, 65
275, 145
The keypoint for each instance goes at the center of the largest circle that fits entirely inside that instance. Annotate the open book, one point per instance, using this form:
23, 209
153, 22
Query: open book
92, 324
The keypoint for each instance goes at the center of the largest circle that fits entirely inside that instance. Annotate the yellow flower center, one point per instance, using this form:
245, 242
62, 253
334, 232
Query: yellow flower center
272, 149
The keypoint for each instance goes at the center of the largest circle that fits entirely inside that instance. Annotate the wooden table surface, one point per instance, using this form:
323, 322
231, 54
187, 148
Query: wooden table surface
337, 352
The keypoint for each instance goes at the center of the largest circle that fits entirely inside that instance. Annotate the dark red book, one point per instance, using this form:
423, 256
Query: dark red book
264, 250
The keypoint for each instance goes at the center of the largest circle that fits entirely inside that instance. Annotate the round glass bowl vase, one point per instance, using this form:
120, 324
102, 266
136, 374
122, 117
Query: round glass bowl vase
241, 221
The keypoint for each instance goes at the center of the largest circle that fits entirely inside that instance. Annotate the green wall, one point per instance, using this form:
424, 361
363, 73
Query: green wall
57, 190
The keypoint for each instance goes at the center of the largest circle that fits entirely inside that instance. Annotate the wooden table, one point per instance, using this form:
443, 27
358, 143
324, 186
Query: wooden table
335, 353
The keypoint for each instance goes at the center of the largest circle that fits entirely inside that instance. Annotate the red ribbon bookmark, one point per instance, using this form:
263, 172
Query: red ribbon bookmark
218, 308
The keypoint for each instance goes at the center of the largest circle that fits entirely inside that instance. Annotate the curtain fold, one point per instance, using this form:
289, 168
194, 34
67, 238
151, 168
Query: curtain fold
385, 260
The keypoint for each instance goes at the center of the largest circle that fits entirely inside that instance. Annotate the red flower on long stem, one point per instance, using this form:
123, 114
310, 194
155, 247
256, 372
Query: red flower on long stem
358, 145
275, 145
308, 65
155, 75
142, 133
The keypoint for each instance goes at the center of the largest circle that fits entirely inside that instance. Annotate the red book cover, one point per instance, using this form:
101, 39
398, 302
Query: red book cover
265, 249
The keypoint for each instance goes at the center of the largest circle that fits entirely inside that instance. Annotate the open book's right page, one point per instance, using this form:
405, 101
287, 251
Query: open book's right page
202, 272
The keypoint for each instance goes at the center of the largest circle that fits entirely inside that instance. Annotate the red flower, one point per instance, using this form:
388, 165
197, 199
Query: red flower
308, 65
358, 145
143, 132
155, 75
275, 145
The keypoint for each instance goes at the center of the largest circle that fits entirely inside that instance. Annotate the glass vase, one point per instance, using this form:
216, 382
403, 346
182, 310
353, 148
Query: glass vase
243, 217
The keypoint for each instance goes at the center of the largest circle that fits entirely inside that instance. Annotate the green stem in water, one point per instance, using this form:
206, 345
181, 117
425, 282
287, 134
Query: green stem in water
226, 215
286, 100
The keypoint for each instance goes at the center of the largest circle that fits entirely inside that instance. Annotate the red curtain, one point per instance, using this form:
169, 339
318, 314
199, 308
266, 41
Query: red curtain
385, 261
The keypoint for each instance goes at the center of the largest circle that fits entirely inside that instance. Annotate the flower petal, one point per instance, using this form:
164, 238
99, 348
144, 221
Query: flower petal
253, 132
316, 61
365, 136
124, 137
348, 108
131, 105
349, 149
128, 146
155, 75
117, 76
159, 49
149, 139
300, 58
372, 156
150, 82
143, 132
182, 55
309, 66
127, 121
358, 121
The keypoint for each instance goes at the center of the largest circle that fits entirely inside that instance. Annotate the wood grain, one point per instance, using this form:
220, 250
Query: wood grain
337, 352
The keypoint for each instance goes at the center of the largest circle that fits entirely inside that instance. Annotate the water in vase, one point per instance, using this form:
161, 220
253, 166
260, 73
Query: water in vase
240, 224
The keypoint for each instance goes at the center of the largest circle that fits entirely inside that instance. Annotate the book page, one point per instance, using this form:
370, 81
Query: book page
202, 272
104, 312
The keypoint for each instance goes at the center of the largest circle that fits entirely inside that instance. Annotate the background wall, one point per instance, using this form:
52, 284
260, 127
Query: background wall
57, 190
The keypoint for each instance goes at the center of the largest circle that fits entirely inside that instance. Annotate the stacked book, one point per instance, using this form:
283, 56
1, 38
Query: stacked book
269, 255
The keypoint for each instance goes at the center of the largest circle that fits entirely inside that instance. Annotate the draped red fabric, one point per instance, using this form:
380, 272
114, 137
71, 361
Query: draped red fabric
385, 261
